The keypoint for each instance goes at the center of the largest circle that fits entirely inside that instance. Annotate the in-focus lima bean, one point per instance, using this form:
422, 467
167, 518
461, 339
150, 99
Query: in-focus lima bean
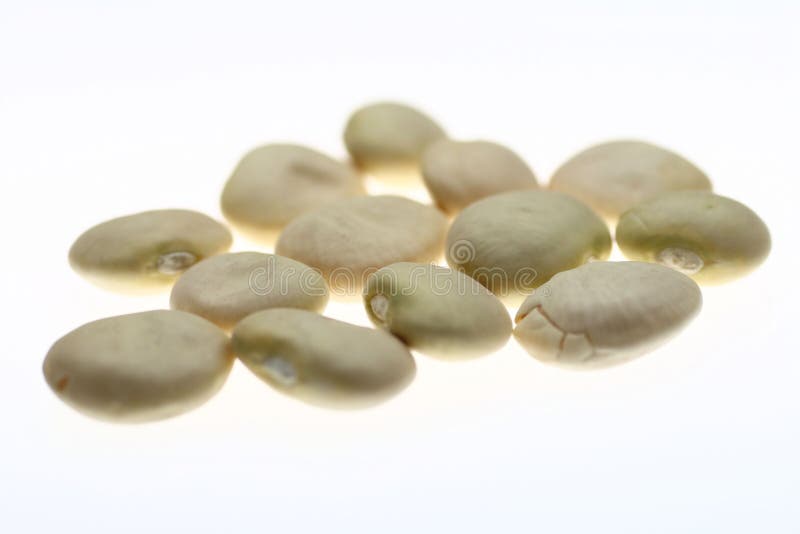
227, 288
323, 361
513, 242
147, 251
606, 313
709, 237
437, 311
139, 367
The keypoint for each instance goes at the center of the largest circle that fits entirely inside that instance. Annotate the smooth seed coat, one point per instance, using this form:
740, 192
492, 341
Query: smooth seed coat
139, 367
605, 313
709, 237
323, 361
436, 310
273, 184
387, 139
457, 173
516, 241
227, 288
613, 177
349, 240
147, 251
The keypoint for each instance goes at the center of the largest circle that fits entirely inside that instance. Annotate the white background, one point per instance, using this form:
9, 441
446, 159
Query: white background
109, 109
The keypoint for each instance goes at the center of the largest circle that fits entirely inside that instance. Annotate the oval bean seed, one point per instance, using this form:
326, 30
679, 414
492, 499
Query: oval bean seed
273, 184
457, 173
386, 139
227, 288
605, 313
613, 177
711, 238
322, 361
516, 241
436, 310
351, 239
139, 367
147, 251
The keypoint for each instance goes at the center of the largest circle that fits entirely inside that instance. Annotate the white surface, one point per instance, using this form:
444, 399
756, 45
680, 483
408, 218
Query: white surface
108, 110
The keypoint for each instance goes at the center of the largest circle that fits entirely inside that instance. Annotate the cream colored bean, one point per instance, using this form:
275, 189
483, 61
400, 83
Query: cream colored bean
711, 238
322, 361
613, 177
227, 288
605, 313
139, 367
457, 173
516, 241
352, 238
437, 311
147, 251
386, 140
273, 184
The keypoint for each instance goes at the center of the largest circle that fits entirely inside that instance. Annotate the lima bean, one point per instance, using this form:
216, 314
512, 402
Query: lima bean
709, 237
386, 139
605, 313
139, 367
147, 251
436, 310
323, 361
613, 177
